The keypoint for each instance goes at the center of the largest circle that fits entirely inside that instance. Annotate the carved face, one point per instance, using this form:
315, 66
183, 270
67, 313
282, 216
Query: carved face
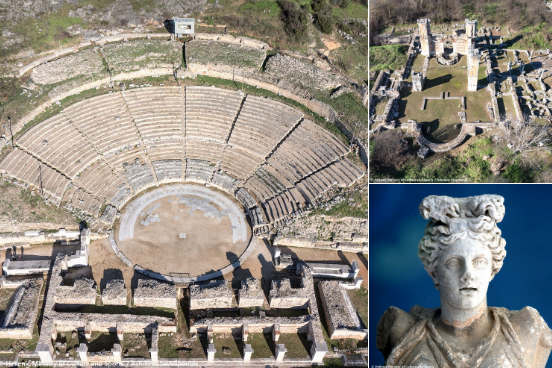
464, 271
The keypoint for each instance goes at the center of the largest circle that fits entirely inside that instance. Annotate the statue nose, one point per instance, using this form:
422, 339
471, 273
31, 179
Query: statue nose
466, 276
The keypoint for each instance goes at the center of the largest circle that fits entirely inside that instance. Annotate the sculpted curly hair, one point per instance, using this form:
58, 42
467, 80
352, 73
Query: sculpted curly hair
452, 219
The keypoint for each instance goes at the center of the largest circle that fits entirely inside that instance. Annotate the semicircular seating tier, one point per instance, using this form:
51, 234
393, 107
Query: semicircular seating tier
98, 153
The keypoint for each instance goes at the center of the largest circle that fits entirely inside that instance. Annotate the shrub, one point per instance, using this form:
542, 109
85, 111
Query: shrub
325, 23
294, 18
516, 174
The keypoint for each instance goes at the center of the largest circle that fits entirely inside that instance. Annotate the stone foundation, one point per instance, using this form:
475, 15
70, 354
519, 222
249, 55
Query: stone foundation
152, 293
83, 292
215, 294
114, 293
341, 316
251, 294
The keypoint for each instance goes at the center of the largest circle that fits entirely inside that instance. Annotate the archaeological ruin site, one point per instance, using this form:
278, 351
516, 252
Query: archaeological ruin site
464, 86
180, 197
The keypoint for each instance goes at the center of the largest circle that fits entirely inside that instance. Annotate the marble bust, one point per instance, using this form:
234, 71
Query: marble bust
462, 250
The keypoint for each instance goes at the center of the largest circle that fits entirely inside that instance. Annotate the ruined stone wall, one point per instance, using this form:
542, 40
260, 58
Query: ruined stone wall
283, 296
152, 293
10, 225
105, 323
114, 293
22, 311
341, 317
84, 63
215, 294
37, 237
255, 324
83, 292
311, 230
251, 294
246, 41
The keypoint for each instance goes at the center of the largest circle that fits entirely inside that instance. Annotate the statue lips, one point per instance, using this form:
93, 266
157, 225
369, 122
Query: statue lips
468, 290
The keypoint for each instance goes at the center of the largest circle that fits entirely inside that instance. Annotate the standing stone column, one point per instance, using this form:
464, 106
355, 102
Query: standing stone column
88, 331
211, 353
473, 69
120, 334
280, 352
247, 352
318, 351
83, 350
355, 269
117, 352
210, 335
245, 332
44, 353
154, 351
276, 332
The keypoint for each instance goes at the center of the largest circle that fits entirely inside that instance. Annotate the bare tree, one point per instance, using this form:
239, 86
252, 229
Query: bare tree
526, 139
391, 151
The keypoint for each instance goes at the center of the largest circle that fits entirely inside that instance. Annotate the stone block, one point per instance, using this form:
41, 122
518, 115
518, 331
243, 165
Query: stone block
247, 352
153, 293
280, 352
251, 294
83, 352
211, 353
215, 294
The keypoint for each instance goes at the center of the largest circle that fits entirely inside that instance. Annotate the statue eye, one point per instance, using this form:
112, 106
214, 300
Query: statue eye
454, 263
480, 262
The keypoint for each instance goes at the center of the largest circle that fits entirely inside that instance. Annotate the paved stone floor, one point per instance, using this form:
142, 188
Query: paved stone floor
151, 226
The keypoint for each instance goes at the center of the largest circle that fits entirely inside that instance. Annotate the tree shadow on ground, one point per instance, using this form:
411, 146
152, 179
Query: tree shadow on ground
430, 83
402, 102
110, 274
204, 342
169, 25
271, 344
363, 259
510, 42
434, 125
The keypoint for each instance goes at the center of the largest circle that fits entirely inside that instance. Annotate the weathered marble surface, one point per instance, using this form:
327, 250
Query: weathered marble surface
462, 250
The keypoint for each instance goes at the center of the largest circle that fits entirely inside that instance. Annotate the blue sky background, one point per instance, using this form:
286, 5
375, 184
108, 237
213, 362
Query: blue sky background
397, 277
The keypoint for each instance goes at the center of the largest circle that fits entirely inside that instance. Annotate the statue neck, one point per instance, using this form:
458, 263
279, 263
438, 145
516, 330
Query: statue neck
461, 318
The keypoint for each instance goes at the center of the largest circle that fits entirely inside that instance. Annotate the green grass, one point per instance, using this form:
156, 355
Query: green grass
353, 10
136, 344
214, 52
351, 59
169, 348
506, 106
5, 295
72, 344
262, 345
391, 57
101, 341
380, 105
235, 346
442, 115
529, 38
333, 362
264, 8
295, 345
355, 204
468, 166
133, 55
353, 114
47, 31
